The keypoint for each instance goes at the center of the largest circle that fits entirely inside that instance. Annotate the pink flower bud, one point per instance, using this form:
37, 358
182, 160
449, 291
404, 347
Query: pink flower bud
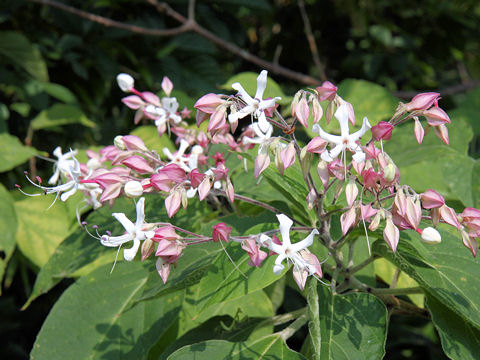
469, 242
436, 116
337, 169
147, 249
151, 98
217, 121
300, 276
347, 220
330, 111
165, 232
161, 182
163, 269
470, 214
174, 173
313, 261
138, 163
422, 101
204, 188
323, 173
221, 232
208, 103
200, 117
172, 203
317, 111
196, 178
351, 192
391, 234
431, 199
317, 145
111, 192
229, 190
367, 211
295, 101
134, 102
413, 213
382, 131
261, 163
168, 248
288, 156
448, 215
327, 91
253, 250
311, 197
419, 131
133, 142
167, 85
442, 132
302, 112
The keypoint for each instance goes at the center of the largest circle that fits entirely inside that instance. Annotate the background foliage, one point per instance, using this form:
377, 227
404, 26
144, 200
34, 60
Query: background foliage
57, 87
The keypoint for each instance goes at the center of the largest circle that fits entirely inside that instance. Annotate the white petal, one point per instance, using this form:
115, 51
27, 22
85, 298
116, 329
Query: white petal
69, 193
129, 254
263, 124
334, 139
358, 134
183, 146
265, 104
285, 225
261, 84
336, 151
342, 116
140, 214
359, 157
114, 241
305, 243
243, 94
127, 224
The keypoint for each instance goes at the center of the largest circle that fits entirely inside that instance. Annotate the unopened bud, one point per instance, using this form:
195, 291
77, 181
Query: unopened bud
295, 101
330, 111
125, 82
133, 189
148, 247
375, 222
389, 172
93, 164
431, 236
351, 192
118, 142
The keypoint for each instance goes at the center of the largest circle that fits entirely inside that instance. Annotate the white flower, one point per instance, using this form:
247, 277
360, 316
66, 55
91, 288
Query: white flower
179, 157
431, 236
133, 232
287, 250
63, 164
345, 140
125, 82
254, 106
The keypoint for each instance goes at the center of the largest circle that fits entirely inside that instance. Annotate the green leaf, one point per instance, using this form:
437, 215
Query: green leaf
60, 114
8, 229
59, 92
352, 326
460, 340
267, 347
224, 281
149, 135
13, 153
314, 316
447, 270
368, 99
386, 271
249, 82
99, 317
40, 229
19, 51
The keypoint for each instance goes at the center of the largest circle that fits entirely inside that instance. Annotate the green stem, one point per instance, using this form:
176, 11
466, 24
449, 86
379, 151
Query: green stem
294, 327
360, 266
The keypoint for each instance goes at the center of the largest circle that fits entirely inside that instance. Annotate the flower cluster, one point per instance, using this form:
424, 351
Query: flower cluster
347, 161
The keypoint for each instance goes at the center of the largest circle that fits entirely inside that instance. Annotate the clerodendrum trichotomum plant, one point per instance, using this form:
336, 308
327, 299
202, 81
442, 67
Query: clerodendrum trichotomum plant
252, 196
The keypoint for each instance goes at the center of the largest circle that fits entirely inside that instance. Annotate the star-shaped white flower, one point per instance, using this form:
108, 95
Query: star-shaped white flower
63, 164
345, 140
179, 157
254, 106
287, 250
133, 232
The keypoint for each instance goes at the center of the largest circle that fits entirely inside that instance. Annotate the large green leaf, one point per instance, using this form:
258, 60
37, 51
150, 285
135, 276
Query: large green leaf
13, 153
267, 347
460, 339
352, 326
8, 228
97, 317
60, 114
368, 99
19, 51
40, 228
225, 281
447, 271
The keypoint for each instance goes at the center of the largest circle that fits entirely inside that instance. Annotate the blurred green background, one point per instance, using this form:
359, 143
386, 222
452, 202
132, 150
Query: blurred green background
57, 87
